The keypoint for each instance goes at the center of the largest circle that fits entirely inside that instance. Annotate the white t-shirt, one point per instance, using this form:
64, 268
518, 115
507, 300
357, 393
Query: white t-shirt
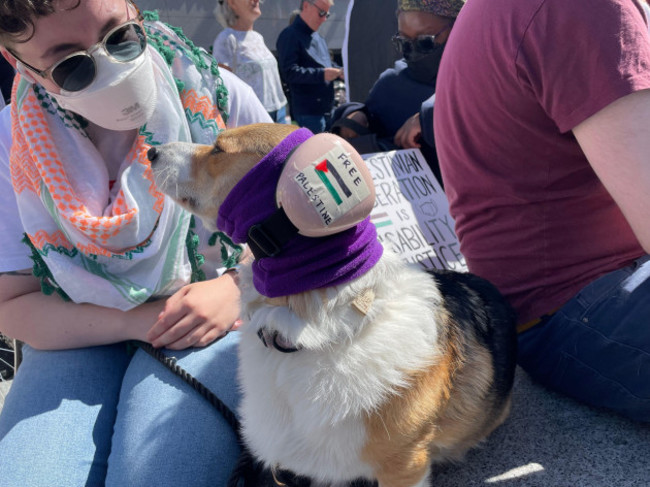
243, 107
246, 53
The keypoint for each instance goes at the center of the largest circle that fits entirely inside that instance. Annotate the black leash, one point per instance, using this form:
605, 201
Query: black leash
170, 363
247, 472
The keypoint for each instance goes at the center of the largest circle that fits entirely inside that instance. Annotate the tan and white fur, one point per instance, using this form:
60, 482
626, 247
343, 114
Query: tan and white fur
390, 377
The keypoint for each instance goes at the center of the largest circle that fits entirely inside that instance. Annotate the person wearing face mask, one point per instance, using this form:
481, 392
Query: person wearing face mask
93, 258
390, 117
243, 50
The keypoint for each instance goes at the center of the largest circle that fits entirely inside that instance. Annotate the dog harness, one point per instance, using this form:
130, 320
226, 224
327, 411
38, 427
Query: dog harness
304, 211
273, 339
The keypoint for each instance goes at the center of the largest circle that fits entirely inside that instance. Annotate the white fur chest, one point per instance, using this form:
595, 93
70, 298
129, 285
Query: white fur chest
306, 411
285, 413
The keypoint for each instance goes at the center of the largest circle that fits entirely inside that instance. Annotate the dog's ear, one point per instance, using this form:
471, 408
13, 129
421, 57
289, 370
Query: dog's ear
258, 138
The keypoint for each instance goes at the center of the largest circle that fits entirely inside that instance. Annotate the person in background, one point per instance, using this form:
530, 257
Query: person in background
544, 150
292, 16
306, 66
243, 50
94, 259
400, 103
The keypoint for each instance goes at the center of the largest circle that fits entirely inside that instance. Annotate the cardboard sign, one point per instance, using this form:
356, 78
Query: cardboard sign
411, 212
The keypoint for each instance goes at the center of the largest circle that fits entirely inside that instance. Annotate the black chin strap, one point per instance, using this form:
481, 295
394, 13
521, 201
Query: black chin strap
266, 239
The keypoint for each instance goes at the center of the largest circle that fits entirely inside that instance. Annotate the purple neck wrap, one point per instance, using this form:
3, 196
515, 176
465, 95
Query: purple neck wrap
305, 263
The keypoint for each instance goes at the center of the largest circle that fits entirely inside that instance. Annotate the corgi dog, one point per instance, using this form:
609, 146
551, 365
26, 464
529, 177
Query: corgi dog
353, 364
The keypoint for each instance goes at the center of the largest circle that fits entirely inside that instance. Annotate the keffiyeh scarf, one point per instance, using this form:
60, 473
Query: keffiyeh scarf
122, 247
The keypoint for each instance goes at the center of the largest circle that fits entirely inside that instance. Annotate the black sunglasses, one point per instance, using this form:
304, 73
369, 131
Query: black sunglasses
422, 44
321, 13
78, 70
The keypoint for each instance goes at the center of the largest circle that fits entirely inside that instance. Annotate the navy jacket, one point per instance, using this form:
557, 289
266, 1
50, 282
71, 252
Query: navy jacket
303, 57
395, 97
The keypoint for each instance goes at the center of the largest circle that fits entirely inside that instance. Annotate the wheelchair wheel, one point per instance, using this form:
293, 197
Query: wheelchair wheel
9, 360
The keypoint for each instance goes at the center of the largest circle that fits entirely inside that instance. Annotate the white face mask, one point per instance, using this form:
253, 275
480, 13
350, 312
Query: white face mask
122, 96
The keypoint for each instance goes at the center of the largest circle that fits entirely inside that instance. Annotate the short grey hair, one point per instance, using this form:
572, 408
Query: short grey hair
303, 2
224, 14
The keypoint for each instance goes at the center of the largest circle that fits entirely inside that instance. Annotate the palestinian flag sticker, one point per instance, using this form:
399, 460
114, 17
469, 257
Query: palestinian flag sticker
333, 184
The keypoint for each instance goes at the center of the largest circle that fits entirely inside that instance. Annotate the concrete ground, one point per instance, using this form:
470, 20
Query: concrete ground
551, 441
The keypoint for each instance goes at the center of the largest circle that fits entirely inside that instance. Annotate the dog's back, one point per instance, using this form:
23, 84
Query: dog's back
483, 322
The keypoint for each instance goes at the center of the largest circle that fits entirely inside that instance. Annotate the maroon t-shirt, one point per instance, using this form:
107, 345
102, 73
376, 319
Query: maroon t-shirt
516, 77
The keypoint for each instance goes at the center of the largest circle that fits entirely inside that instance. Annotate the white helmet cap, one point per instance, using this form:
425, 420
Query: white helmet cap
325, 186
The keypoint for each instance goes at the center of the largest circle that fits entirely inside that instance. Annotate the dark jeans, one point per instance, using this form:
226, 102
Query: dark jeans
315, 123
596, 348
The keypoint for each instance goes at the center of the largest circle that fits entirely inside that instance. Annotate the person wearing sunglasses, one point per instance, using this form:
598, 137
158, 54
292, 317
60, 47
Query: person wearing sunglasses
306, 66
93, 256
390, 116
543, 144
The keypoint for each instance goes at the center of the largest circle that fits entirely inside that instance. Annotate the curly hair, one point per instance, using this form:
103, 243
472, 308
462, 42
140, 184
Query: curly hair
17, 17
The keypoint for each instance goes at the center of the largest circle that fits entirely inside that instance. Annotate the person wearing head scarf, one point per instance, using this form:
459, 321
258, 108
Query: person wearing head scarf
390, 117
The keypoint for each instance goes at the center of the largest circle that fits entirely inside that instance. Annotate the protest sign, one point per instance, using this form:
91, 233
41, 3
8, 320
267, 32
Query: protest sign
411, 212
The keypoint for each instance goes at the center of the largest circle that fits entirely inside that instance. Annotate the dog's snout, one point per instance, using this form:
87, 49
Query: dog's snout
152, 154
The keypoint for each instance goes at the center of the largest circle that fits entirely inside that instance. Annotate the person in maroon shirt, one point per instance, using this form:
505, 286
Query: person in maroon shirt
540, 120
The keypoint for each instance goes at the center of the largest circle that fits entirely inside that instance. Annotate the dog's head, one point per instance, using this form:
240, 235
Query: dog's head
265, 177
199, 177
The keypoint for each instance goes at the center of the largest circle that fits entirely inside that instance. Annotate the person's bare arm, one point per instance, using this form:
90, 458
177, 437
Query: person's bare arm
408, 135
196, 315
49, 322
616, 141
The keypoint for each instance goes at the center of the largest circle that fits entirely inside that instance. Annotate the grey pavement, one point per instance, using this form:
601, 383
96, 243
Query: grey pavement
552, 441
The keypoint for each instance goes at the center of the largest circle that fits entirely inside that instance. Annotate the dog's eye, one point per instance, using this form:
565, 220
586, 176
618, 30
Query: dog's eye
215, 150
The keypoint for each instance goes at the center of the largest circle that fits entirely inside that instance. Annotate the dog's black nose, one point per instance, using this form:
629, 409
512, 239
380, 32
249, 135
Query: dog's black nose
152, 154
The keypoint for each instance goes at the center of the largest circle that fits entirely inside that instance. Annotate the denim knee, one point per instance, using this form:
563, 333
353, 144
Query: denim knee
166, 433
57, 422
596, 348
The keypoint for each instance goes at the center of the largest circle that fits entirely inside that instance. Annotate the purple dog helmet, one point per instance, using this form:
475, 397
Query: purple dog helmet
325, 186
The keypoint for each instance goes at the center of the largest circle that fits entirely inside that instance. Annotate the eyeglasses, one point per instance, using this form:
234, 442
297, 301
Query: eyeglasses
321, 13
421, 45
78, 70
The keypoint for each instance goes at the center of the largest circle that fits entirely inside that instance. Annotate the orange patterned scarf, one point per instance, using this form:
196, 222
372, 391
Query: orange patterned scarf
118, 248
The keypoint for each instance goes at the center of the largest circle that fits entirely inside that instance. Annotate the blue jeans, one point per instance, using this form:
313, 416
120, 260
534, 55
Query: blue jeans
279, 115
315, 123
97, 416
596, 348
